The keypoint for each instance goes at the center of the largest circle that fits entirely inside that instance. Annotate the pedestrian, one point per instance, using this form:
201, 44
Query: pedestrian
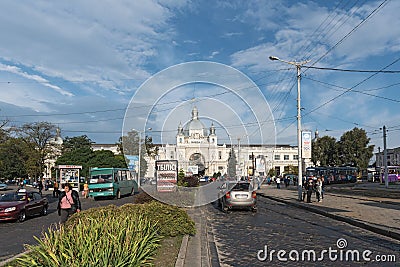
40, 186
68, 203
278, 182
86, 190
310, 188
318, 189
55, 189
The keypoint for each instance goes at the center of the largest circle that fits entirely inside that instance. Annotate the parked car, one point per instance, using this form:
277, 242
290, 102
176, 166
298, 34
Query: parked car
237, 195
3, 186
22, 204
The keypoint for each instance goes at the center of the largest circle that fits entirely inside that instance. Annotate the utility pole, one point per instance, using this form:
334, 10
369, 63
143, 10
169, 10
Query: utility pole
385, 157
300, 159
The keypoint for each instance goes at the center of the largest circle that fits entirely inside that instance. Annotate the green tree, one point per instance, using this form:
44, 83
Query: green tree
181, 178
13, 156
232, 163
37, 136
76, 142
106, 159
325, 151
354, 148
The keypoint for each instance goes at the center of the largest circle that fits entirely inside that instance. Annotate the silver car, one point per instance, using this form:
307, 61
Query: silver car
237, 195
3, 186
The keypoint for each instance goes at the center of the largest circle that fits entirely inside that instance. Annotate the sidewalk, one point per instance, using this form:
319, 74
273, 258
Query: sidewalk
377, 214
198, 250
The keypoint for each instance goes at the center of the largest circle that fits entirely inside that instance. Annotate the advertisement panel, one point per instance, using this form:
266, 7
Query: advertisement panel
306, 144
166, 175
260, 164
133, 162
193, 169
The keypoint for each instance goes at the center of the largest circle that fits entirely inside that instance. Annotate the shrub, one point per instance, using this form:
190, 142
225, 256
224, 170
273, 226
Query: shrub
191, 181
143, 197
109, 236
112, 241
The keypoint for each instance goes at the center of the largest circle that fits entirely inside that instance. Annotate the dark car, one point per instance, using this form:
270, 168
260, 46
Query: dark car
237, 195
19, 205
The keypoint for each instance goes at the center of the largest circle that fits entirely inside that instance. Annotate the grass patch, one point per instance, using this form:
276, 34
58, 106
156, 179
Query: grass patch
168, 251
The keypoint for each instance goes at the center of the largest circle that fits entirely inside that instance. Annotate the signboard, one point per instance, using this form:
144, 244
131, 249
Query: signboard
306, 144
260, 164
193, 169
166, 175
133, 162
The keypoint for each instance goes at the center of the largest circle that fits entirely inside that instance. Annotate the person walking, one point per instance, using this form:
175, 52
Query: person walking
278, 182
68, 203
40, 186
86, 190
318, 189
55, 189
310, 188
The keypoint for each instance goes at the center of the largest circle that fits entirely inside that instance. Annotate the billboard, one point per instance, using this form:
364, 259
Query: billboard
306, 144
166, 175
133, 162
193, 169
260, 164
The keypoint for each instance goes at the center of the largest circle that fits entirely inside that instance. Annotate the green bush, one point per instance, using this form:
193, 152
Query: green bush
112, 241
109, 236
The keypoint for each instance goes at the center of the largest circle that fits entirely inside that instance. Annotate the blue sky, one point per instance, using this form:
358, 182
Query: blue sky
79, 64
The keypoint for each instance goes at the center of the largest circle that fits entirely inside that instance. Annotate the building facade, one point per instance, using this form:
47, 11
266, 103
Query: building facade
197, 145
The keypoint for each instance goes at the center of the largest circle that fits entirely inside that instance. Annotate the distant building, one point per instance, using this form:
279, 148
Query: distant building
111, 147
393, 157
55, 146
197, 145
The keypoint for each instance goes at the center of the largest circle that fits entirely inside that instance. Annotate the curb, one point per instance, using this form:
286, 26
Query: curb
14, 257
354, 222
182, 252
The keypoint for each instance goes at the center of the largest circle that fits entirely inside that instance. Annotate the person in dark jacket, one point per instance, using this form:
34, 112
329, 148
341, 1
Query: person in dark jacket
310, 189
68, 203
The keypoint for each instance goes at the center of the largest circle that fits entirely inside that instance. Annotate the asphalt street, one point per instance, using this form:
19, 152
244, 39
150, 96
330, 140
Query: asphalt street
15, 235
243, 238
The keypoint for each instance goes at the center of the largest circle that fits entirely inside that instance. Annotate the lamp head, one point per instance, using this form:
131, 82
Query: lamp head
273, 58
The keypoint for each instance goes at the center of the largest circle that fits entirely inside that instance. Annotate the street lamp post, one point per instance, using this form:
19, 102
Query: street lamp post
140, 153
300, 166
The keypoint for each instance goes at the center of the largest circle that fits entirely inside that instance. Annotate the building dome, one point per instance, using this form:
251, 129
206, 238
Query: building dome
195, 126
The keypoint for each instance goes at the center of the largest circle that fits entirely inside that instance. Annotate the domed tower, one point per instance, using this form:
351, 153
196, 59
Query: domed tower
212, 138
180, 137
195, 128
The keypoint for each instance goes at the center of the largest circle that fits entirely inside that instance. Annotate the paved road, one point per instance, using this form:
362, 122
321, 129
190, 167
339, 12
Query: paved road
14, 235
241, 235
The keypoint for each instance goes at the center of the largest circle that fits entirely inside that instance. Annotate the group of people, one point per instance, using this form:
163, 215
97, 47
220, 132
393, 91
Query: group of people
311, 186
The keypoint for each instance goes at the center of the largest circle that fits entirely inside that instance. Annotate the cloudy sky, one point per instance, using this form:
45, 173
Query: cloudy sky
81, 64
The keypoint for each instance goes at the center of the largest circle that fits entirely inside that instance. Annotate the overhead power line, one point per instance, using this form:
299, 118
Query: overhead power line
350, 70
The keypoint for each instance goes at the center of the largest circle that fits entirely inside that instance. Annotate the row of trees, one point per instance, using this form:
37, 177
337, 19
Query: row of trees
24, 151
352, 149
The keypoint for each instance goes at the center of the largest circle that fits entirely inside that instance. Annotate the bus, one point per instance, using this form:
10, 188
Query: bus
333, 175
111, 182
393, 173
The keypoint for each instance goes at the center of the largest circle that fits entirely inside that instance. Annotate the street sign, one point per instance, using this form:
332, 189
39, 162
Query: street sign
166, 175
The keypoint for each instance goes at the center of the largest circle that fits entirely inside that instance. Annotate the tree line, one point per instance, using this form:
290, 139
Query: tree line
25, 150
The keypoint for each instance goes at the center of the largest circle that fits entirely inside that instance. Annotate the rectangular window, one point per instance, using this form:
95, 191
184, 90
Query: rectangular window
219, 155
286, 157
277, 157
295, 157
